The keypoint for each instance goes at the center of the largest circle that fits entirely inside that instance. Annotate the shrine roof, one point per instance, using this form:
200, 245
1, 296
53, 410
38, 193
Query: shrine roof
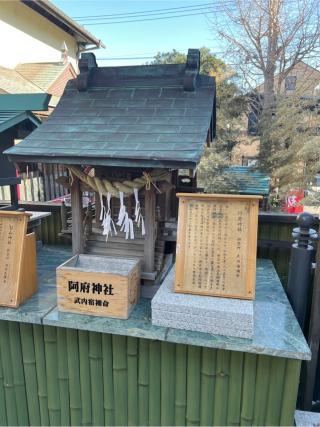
135, 116
250, 180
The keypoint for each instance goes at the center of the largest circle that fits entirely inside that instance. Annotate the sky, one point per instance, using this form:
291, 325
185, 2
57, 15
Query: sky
142, 38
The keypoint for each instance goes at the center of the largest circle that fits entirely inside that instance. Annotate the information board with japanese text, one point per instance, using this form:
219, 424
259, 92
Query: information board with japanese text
216, 245
13, 226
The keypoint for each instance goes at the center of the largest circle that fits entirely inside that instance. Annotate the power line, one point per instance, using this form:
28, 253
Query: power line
142, 15
162, 11
125, 14
152, 19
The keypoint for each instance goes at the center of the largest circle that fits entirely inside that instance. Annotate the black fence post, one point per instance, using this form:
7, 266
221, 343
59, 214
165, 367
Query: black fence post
299, 280
313, 340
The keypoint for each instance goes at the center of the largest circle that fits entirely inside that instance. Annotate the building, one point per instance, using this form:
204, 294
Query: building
50, 77
16, 122
41, 77
37, 31
43, 49
302, 81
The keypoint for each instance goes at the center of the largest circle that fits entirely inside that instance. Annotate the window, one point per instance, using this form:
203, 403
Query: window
290, 82
250, 161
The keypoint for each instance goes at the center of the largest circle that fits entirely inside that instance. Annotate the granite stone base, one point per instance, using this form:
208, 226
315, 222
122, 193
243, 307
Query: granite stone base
213, 315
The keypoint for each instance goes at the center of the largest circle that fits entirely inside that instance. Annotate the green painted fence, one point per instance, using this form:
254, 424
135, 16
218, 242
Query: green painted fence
278, 232
56, 376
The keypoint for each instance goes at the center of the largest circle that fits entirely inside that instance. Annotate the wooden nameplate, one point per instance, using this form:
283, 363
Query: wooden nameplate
18, 272
217, 245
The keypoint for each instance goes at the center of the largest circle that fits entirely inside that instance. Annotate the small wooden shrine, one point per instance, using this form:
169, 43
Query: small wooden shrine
124, 133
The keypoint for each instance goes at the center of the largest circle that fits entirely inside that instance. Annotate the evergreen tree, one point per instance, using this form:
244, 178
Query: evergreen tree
231, 104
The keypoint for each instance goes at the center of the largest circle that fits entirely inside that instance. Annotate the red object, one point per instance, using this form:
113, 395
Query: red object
293, 200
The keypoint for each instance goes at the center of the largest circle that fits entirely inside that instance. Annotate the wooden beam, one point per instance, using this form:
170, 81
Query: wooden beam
150, 225
76, 207
314, 339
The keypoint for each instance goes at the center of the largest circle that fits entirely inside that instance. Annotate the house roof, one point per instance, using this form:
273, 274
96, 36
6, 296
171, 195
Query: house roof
24, 102
15, 109
13, 82
139, 116
9, 119
63, 21
42, 74
250, 180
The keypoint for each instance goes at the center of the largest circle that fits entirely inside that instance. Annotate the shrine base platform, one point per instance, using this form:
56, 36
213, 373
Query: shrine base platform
213, 315
53, 364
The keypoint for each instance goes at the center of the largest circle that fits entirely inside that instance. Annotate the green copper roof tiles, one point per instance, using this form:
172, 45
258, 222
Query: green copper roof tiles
149, 121
250, 180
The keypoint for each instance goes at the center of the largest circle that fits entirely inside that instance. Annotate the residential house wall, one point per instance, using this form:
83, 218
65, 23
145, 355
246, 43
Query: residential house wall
29, 37
302, 80
58, 86
246, 151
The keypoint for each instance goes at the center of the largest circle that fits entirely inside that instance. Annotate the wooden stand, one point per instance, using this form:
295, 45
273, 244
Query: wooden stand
98, 286
18, 275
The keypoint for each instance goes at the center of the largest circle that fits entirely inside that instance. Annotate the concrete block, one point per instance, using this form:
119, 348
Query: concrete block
219, 316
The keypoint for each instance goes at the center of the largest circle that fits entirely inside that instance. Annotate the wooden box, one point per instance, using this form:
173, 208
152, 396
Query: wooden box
18, 271
217, 245
98, 285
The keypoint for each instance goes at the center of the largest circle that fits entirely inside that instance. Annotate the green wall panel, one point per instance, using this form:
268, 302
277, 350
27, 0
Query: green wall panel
56, 376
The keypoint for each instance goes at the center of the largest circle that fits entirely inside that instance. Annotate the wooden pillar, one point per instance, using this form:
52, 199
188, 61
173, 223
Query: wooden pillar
14, 196
175, 202
97, 203
150, 225
76, 207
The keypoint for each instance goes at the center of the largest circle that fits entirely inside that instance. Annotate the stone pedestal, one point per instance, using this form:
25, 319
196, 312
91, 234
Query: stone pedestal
213, 315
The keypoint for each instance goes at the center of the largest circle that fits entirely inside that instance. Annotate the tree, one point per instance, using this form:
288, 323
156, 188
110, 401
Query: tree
230, 103
295, 144
267, 39
210, 64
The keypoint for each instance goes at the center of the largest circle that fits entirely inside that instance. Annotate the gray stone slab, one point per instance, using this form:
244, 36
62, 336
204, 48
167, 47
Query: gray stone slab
217, 326
307, 419
222, 316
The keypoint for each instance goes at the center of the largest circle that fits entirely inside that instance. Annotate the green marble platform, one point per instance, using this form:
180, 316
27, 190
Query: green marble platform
34, 309
276, 330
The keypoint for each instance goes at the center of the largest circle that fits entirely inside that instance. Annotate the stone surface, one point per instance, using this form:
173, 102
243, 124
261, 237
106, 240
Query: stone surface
276, 330
102, 264
34, 309
307, 419
223, 316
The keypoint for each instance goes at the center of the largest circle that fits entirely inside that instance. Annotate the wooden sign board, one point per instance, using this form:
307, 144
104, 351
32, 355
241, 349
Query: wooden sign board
98, 285
216, 245
18, 277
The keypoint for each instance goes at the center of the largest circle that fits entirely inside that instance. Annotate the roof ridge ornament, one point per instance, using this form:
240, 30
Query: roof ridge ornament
86, 63
192, 70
